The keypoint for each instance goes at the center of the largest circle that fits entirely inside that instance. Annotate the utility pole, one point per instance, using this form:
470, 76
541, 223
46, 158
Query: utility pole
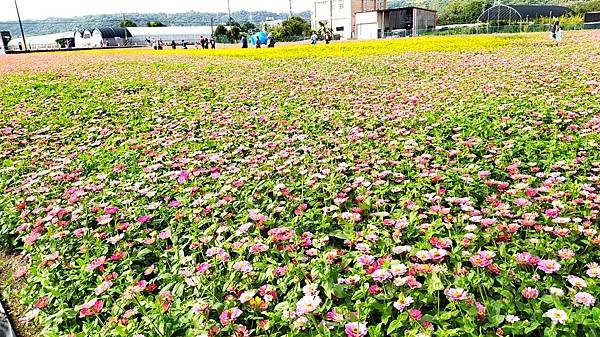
124, 28
291, 14
21, 25
229, 11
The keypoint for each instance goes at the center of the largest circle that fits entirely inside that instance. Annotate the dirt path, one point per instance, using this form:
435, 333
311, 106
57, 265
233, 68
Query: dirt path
12, 265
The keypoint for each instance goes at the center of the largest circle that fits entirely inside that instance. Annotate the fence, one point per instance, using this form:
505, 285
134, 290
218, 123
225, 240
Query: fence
494, 29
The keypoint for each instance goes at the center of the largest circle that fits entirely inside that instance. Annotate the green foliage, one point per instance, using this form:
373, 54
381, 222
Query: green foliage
580, 8
248, 27
234, 33
155, 24
462, 11
127, 23
227, 35
291, 29
220, 31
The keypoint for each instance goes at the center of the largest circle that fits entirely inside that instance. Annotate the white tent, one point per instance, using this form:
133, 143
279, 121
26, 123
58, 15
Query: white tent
38, 42
139, 35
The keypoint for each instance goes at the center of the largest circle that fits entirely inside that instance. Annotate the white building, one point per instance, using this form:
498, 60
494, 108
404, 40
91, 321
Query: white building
83, 39
396, 22
109, 37
340, 15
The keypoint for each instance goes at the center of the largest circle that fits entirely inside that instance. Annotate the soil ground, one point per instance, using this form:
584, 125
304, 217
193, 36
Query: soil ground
9, 288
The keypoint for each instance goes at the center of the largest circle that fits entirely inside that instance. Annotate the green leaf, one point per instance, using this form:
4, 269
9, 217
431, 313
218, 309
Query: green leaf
394, 326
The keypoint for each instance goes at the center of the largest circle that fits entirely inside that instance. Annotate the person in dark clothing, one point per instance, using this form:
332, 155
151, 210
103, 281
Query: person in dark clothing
327, 37
184, 44
244, 42
213, 43
258, 43
554, 28
270, 41
173, 44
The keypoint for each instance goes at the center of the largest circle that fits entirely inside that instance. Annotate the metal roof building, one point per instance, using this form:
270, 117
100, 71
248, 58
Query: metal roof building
503, 12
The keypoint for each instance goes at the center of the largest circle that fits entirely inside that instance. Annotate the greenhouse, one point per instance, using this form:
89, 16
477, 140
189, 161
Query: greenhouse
44, 42
521, 13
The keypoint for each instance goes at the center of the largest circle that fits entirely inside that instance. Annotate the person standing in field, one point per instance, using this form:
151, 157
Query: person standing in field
258, 43
244, 42
559, 36
270, 41
314, 38
554, 28
327, 37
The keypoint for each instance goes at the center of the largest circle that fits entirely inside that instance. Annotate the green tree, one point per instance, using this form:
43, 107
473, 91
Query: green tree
290, 29
462, 11
155, 24
127, 23
234, 33
248, 27
220, 31
580, 8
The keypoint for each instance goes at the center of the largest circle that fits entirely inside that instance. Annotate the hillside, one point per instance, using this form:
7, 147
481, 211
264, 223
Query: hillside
54, 25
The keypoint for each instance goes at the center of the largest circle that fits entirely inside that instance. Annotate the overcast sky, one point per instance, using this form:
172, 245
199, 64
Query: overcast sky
41, 9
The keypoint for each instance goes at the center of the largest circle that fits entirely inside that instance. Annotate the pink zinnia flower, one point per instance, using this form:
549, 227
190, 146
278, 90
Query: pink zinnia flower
111, 210
144, 218
415, 314
381, 275
307, 304
584, 298
243, 266
522, 202
456, 294
548, 266
355, 329
552, 212
91, 308
230, 315
479, 261
164, 234
366, 260
577, 282
403, 303
174, 203
594, 270
530, 293
566, 253
97, 263
104, 219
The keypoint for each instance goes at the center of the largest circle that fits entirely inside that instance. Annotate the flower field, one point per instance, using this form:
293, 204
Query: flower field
417, 187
